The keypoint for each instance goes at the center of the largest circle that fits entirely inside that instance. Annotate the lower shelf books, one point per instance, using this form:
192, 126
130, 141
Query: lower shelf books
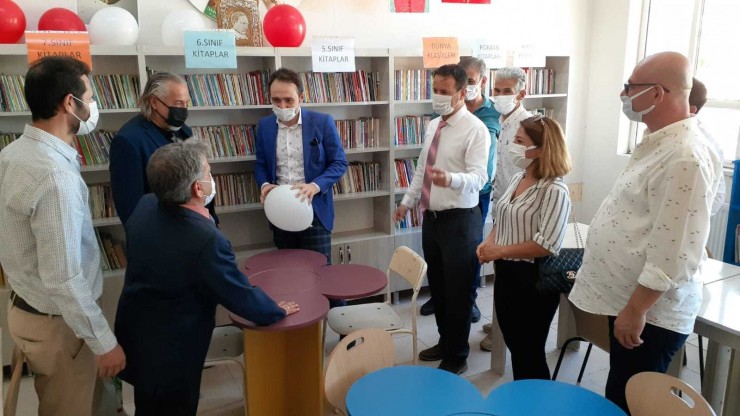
414, 218
101, 201
7, 138
236, 189
405, 169
411, 129
227, 141
112, 255
94, 148
360, 177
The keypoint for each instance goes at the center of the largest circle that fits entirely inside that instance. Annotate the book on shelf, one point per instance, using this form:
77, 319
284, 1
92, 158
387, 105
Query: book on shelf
94, 148
405, 169
236, 189
228, 89
359, 133
101, 201
413, 218
547, 112
539, 81
360, 177
12, 97
115, 91
7, 138
112, 254
228, 140
411, 129
413, 84
338, 87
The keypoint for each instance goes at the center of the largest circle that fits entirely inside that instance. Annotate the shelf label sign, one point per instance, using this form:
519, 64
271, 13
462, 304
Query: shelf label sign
440, 51
53, 43
210, 49
529, 55
493, 54
333, 54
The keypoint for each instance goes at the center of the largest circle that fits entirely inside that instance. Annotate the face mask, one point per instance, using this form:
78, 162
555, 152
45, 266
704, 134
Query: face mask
504, 104
442, 104
176, 117
517, 155
472, 92
87, 126
629, 111
285, 114
212, 195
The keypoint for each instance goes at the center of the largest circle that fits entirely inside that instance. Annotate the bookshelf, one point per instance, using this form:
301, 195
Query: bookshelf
364, 232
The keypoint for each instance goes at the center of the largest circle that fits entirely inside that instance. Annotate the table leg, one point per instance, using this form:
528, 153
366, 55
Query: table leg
566, 325
732, 401
498, 350
716, 374
284, 371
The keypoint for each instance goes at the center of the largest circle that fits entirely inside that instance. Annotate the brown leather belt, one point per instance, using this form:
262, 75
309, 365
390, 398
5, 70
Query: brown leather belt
21, 304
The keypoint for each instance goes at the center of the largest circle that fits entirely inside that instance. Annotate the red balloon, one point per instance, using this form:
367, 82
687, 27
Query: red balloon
12, 22
62, 19
284, 26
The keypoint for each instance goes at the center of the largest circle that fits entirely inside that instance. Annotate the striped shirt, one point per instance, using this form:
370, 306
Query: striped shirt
49, 250
538, 214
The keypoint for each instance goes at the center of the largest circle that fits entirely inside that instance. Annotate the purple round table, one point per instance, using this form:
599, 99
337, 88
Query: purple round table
350, 281
284, 259
287, 281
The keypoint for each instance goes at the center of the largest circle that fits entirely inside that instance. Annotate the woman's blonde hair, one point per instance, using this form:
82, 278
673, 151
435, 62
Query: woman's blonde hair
554, 160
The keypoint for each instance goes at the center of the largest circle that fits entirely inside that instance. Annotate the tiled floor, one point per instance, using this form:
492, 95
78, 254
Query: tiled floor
221, 392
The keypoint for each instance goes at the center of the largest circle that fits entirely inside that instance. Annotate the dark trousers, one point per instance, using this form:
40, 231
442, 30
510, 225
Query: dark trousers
484, 200
176, 403
524, 315
655, 354
449, 239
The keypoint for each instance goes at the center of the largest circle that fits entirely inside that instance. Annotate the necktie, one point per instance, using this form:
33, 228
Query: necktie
431, 160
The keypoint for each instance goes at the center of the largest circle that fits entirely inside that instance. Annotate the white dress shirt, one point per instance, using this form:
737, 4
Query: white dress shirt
289, 153
49, 250
538, 214
652, 228
719, 197
505, 168
463, 153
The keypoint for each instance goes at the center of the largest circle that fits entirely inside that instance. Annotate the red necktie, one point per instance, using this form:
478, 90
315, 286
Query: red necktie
431, 160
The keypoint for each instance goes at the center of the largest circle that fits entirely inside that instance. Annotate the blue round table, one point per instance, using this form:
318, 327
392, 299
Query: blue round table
546, 397
411, 390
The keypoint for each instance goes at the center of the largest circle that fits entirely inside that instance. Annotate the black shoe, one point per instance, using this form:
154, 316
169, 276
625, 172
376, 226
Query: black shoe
427, 308
475, 316
454, 368
431, 354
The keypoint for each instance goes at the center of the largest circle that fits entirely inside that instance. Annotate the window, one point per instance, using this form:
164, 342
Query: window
706, 31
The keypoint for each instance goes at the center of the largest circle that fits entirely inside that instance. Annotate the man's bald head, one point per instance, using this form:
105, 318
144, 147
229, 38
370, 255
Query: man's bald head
669, 69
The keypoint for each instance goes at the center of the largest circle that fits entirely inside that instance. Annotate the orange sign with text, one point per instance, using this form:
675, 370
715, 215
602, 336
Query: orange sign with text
48, 43
440, 51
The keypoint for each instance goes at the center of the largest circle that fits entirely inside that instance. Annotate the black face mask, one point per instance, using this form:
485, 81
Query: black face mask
177, 115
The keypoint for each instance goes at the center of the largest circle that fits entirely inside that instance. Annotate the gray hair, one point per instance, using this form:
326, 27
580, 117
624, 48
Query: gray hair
512, 72
467, 62
157, 86
173, 168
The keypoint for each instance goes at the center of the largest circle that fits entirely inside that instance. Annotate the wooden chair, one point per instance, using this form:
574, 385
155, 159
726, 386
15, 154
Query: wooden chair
16, 369
591, 328
405, 263
359, 353
656, 394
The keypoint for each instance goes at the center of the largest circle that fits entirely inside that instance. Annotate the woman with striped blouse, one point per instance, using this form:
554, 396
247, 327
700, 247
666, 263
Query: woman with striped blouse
529, 222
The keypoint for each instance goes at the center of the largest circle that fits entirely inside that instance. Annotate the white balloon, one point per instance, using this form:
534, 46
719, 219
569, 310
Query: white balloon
177, 22
113, 26
287, 212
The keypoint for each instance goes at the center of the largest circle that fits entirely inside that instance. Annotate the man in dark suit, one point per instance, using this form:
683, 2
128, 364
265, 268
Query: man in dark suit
162, 121
300, 148
180, 267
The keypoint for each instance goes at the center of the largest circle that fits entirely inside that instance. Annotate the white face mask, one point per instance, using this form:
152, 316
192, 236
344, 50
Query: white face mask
629, 111
87, 126
517, 155
212, 195
504, 104
472, 92
442, 104
285, 114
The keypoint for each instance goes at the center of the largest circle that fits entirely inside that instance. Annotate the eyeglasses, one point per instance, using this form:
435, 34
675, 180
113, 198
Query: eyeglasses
628, 85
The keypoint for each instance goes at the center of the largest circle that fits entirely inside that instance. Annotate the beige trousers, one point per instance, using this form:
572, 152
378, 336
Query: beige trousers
66, 379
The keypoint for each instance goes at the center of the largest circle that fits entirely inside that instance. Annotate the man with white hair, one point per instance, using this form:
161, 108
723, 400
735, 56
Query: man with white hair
509, 90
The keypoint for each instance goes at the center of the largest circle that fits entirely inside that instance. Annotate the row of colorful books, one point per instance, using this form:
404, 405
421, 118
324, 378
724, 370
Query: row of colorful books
228, 89
112, 255
359, 133
360, 177
94, 148
100, 200
229, 140
539, 81
116, 91
12, 97
359, 86
414, 218
411, 129
413, 84
405, 169
236, 189
7, 138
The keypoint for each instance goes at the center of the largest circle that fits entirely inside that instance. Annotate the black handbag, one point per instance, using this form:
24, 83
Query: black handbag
558, 273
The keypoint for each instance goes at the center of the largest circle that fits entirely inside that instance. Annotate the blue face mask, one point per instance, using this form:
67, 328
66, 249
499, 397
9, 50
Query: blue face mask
629, 111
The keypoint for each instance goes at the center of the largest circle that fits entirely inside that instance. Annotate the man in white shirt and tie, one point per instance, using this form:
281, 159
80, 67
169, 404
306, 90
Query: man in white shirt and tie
451, 171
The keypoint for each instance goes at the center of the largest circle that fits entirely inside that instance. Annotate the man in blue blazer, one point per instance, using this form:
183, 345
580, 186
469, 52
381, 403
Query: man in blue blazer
300, 148
180, 267
162, 121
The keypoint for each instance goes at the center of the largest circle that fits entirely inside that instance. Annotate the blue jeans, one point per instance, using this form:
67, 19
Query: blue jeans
654, 354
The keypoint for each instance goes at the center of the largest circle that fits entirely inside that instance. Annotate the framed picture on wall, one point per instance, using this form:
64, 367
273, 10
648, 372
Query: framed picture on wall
409, 6
243, 17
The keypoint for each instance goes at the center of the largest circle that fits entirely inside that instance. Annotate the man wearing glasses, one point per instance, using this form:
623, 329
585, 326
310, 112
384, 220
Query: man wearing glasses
646, 242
